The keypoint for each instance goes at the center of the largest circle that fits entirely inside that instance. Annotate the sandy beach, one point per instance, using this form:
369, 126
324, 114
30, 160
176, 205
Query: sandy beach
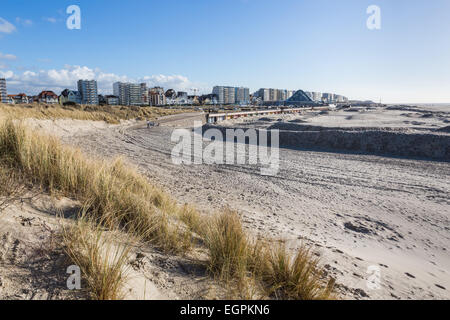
357, 210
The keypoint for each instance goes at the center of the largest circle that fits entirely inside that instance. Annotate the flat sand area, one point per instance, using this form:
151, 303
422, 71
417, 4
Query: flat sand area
357, 211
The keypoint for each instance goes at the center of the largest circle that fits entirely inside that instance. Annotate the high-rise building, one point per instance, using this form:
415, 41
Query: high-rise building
264, 94
3, 92
130, 94
219, 92
144, 95
328, 97
272, 95
231, 95
120, 90
134, 94
242, 95
88, 91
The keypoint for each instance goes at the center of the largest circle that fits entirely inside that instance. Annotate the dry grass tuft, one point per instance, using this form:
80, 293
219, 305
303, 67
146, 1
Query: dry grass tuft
100, 257
295, 277
234, 257
227, 245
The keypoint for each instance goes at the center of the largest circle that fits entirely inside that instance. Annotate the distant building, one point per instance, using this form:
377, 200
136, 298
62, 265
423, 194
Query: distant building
242, 95
70, 96
157, 96
120, 90
145, 99
208, 99
88, 91
328, 97
20, 98
134, 94
317, 96
101, 100
112, 100
130, 94
182, 98
273, 95
3, 92
263, 94
182, 94
300, 98
232, 95
340, 99
48, 97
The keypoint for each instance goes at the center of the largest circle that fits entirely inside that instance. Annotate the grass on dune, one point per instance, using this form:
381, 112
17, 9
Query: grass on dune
101, 258
109, 114
234, 255
113, 192
115, 197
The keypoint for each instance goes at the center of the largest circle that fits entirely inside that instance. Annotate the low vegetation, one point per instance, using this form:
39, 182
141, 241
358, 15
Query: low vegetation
101, 258
235, 256
116, 197
109, 114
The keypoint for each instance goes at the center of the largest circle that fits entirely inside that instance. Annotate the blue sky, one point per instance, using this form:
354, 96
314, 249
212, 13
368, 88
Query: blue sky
315, 45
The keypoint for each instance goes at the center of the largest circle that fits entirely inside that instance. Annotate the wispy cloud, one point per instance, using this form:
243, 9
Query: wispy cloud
6, 27
7, 56
50, 19
24, 22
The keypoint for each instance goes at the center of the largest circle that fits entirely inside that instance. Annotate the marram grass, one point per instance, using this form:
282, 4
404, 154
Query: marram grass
116, 197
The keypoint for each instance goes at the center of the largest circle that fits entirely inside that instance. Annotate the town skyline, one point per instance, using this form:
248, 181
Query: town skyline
140, 94
310, 45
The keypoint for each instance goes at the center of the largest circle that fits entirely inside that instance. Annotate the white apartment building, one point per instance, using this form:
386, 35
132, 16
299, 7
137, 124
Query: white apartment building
88, 91
130, 94
231, 95
3, 92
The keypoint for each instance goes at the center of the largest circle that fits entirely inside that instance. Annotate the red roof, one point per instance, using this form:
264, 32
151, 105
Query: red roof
47, 94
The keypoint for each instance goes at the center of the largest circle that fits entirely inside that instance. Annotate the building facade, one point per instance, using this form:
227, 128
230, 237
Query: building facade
70, 96
273, 95
3, 92
48, 97
157, 96
131, 94
112, 100
231, 95
242, 95
88, 91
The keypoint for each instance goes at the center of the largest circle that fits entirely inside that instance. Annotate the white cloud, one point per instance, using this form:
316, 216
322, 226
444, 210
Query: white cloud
51, 20
7, 56
6, 74
6, 27
32, 82
24, 22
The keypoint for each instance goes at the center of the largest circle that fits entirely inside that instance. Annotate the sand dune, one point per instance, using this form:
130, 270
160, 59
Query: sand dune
357, 210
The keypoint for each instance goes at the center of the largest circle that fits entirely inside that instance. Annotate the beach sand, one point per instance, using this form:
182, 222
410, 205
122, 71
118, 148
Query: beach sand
359, 212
